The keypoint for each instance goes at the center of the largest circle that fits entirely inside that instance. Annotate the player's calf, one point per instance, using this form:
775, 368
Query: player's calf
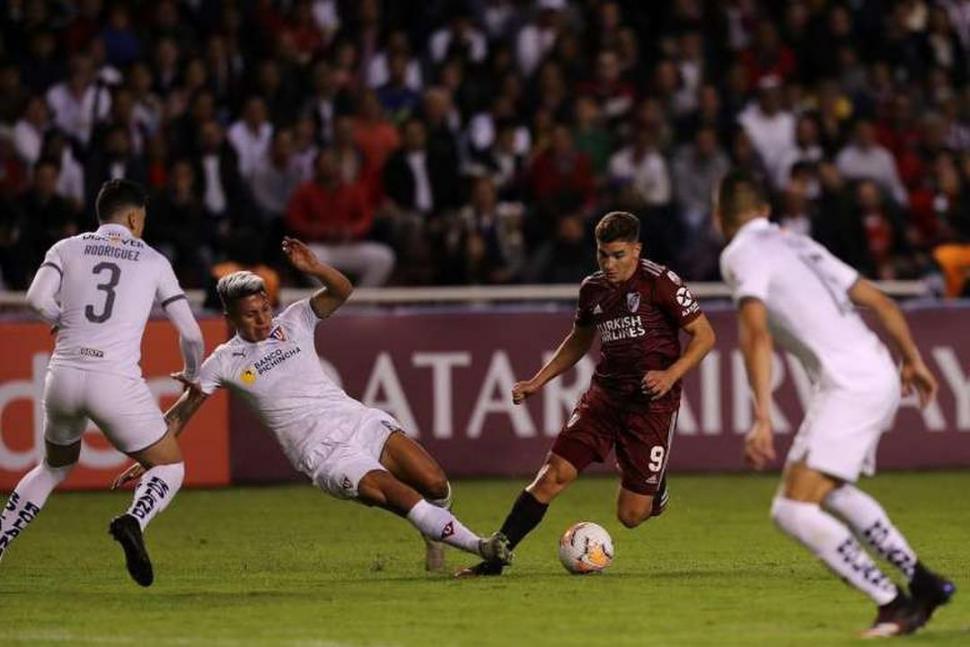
633, 508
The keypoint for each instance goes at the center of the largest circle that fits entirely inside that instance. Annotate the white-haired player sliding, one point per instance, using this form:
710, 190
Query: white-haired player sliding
97, 289
347, 449
790, 288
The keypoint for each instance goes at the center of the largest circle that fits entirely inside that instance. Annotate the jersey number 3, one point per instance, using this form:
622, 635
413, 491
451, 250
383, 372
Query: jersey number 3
114, 275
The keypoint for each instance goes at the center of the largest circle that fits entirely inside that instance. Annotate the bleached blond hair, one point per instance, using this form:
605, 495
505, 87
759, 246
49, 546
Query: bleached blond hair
238, 285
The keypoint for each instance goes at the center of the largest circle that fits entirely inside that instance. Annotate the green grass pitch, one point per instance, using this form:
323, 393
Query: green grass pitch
290, 566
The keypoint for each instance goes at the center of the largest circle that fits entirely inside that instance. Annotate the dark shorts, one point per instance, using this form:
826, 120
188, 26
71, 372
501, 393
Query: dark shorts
640, 434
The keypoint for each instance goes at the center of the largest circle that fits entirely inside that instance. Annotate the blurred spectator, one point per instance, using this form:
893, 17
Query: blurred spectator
805, 151
770, 127
42, 67
179, 228
951, 206
768, 57
379, 70
221, 186
334, 219
883, 229
644, 169
397, 97
373, 133
250, 135
697, 170
416, 179
608, 87
13, 173
79, 102
507, 158
591, 136
537, 37
460, 38
484, 243
113, 158
274, 180
567, 257
560, 172
864, 158
28, 132
13, 94
70, 177
47, 217
122, 44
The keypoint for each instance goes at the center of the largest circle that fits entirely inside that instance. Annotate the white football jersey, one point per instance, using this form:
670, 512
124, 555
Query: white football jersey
109, 282
805, 291
282, 379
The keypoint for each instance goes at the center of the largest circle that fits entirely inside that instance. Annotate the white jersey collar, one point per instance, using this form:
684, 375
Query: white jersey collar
756, 224
114, 228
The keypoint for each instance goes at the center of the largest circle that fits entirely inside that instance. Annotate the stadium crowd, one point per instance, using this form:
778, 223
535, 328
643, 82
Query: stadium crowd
477, 141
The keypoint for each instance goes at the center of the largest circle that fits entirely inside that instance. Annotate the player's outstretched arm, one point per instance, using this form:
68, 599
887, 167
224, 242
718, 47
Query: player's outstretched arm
336, 287
572, 349
702, 339
914, 372
191, 341
757, 347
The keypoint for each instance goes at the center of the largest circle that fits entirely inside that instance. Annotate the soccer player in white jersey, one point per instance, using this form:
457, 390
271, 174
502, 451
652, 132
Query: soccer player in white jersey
789, 288
347, 449
97, 290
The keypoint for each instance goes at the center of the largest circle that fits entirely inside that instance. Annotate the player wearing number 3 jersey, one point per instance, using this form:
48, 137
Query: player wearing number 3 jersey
97, 290
638, 308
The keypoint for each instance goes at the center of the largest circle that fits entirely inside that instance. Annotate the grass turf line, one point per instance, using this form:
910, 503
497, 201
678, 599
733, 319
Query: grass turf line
289, 565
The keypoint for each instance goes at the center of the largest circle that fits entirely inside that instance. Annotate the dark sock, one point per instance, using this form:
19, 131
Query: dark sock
525, 515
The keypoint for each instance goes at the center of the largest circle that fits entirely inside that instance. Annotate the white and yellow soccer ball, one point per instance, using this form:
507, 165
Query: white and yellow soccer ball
586, 548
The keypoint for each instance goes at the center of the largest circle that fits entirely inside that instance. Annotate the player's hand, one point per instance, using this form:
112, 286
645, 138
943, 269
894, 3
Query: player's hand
130, 474
657, 384
300, 256
523, 390
759, 445
190, 385
917, 376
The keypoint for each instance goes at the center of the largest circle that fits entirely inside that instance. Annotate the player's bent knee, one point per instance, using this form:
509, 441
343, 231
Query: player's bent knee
438, 487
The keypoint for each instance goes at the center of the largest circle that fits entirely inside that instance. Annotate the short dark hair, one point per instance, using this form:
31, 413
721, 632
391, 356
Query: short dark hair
739, 192
117, 195
618, 226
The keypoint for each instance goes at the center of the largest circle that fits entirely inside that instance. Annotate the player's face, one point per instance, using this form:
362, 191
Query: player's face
618, 260
252, 317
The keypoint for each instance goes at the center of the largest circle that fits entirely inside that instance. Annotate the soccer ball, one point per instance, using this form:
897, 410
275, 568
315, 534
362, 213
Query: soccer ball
586, 548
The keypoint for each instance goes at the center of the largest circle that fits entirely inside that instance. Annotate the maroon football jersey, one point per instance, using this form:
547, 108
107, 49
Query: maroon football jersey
639, 325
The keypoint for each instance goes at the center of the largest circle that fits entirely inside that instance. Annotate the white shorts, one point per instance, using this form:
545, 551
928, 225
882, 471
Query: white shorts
123, 407
338, 467
841, 430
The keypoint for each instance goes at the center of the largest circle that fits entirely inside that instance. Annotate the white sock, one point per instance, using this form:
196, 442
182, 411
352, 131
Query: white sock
439, 524
872, 525
27, 499
155, 491
835, 545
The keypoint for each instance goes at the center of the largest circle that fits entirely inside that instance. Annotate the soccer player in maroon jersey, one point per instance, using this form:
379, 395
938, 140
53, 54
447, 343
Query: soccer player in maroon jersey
638, 308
